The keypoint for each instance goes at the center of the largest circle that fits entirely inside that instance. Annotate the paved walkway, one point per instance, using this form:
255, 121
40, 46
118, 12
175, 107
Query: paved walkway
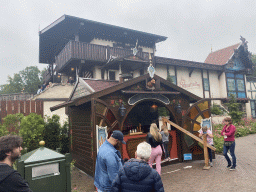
190, 177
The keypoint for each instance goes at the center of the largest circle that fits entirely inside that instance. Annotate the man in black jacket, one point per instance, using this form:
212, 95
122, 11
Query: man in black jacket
10, 179
137, 175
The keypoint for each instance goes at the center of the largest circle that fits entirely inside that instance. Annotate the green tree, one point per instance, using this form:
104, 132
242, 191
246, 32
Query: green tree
52, 132
234, 109
31, 130
14, 84
254, 65
31, 77
26, 80
12, 123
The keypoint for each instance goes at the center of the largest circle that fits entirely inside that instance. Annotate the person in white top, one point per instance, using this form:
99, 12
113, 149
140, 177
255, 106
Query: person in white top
209, 137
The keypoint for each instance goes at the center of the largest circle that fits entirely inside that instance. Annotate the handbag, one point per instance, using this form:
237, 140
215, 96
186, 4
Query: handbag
228, 143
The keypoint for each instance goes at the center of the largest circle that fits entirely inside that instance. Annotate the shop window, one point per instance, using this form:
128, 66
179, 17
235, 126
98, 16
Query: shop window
112, 75
206, 84
236, 85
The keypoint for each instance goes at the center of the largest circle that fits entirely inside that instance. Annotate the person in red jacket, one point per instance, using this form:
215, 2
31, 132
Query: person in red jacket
228, 132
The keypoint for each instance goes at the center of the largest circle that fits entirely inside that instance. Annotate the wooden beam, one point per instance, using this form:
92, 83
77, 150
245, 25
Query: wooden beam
219, 74
206, 156
191, 71
187, 132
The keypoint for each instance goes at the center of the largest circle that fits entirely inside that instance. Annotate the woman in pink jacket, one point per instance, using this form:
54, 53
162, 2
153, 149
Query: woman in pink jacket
228, 132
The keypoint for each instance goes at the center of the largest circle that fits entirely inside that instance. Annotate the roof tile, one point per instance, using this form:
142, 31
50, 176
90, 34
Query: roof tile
99, 85
222, 56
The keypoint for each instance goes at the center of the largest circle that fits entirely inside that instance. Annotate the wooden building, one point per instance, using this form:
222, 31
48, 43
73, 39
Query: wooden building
113, 88
98, 102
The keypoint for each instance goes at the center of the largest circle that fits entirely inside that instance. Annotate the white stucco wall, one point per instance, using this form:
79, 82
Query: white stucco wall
146, 49
214, 84
59, 112
102, 42
161, 70
223, 86
193, 83
96, 72
136, 73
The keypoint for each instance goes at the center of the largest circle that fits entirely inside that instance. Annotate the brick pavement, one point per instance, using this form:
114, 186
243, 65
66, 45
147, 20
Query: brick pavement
178, 178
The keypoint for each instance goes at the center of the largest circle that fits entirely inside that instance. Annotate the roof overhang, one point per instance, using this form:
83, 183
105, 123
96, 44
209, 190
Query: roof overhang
54, 37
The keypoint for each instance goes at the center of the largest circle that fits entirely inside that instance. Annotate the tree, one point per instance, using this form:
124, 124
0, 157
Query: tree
234, 109
26, 80
14, 85
254, 65
31, 77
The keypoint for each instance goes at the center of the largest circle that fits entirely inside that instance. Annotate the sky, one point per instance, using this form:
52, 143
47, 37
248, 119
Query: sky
193, 27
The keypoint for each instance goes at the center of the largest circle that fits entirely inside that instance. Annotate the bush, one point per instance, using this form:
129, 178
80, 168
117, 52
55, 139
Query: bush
52, 132
215, 109
11, 123
234, 110
31, 130
55, 135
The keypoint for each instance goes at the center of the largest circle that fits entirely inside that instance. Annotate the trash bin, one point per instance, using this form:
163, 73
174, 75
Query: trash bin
46, 170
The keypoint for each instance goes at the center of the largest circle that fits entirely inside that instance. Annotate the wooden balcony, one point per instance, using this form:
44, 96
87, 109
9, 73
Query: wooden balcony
91, 52
47, 77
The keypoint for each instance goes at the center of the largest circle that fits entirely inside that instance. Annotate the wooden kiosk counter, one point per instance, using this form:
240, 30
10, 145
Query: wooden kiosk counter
125, 106
133, 139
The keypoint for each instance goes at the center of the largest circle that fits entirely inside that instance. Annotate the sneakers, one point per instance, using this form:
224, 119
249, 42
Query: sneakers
211, 164
229, 166
232, 168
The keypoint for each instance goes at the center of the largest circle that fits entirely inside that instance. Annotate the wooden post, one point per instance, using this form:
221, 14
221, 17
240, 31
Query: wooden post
206, 156
188, 133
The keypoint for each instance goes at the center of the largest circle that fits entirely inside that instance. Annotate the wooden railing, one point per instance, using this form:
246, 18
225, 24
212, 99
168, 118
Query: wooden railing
87, 51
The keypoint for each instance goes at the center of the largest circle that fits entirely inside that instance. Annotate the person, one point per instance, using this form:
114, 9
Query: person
10, 179
108, 162
228, 132
43, 86
154, 138
165, 139
39, 90
137, 175
209, 138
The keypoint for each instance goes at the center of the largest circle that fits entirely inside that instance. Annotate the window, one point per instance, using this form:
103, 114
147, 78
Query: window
112, 75
206, 84
235, 85
172, 79
253, 108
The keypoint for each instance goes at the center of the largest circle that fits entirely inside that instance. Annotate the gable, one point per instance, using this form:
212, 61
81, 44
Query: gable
222, 56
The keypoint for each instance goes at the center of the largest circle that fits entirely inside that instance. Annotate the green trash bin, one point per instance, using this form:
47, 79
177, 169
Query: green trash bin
46, 170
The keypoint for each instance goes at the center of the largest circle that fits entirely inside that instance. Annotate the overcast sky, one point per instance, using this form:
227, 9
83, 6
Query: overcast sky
192, 26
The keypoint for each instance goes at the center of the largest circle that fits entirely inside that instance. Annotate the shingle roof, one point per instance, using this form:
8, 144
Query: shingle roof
98, 85
221, 56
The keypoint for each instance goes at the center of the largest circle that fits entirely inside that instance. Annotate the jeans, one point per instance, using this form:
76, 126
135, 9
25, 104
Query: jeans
156, 154
232, 153
165, 145
210, 154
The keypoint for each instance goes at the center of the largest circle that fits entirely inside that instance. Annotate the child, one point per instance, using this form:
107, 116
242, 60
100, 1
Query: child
209, 137
165, 139
137, 175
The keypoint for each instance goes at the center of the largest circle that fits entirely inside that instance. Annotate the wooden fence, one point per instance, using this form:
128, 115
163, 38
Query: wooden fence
20, 106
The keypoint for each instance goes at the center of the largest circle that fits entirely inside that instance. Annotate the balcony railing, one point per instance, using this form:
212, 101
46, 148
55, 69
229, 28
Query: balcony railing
87, 51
